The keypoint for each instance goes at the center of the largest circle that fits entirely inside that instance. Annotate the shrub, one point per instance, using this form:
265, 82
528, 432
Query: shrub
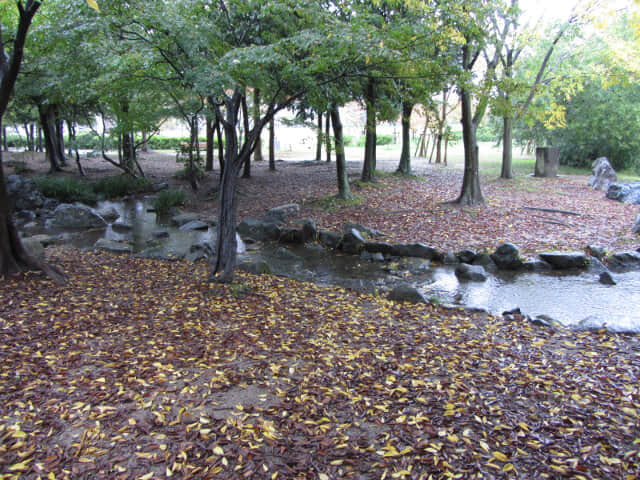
381, 139
67, 190
167, 199
113, 187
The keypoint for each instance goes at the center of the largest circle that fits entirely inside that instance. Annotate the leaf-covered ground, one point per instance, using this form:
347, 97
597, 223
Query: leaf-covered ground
141, 369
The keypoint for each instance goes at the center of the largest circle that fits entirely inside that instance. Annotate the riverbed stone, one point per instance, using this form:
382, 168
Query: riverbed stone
282, 214
471, 273
606, 278
309, 231
160, 234
121, 227
624, 192
362, 229
371, 257
259, 230
406, 293
507, 257
483, 259
24, 193
112, 246
257, 267
450, 259
194, 225
636, 226
329, 239
108, 212
74, 216
352, 242
597, 251
565, 260
383, 248
603, 174
466, 256
292, 235
624, 260
536, 265
285, 254
33, 246
418, 250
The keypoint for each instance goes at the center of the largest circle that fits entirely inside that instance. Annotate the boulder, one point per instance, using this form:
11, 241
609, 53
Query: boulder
596, 251
34, 247
624, 260
450, 259
121, 227
258, 267
352, 242
282, 214
606, 278
111, 246
292, 235
24, 193
537, 265
483, 259
624, 192
70, 216
329, 239
183, 218
466, 256
565, 260
636, 225
383, 248
406, 293
309, 231
362, 229
603, 174
160, 234
371, 257
507, 257
259, 230
108, 212
284, 254
418, 250
194, 225
471, 273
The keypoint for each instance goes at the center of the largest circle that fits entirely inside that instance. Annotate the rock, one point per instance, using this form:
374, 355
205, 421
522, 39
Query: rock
507, 257
450, 259
158, 187
406, 293
292, 235
514, 311
309, 231
160, 234
352, 242
603, 174
362, 229
624, 192
282, 214
24, 193
545, 321
108, 212
607, 279
592, 323
418, 250
258, 267
596, 266
24, 216
383, 248
67, 216
471, 273
34, 247
624, 260
466, 256
111, 246
636, 225
259, 230
183, 218
329, 239
43, 239
50, 204
565, 260
194, 225
200, 251
121, 227
536, 266
284, 254
596, 251
371, 257
483, 259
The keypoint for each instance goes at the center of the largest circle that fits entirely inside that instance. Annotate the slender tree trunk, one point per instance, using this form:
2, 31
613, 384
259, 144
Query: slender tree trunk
245, 120
471, 193
405, 155
39, 147
192, 173
30, 140
218, 129
507, 148
257, 153
59, 124
344, 192
47, 123
272, 145
208, 165
144, 147
73, 145
369, 165
319, 138
128, 151
5, 147
327, 139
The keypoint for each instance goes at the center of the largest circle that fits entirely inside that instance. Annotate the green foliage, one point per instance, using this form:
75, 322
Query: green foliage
167, 199
381, 139
69, 190
170, 143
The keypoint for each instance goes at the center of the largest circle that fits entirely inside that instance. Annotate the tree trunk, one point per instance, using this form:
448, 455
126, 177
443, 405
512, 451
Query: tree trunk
257, 153
208, 165
327, 139
344, 192
369, 165
245, 120
39, 147
144, 147
47, 124
405, 154
60, 139
128, 151
507, 148
319, 139
192, 173
5, 147
72, 144
272, 145
471, 193
218, 129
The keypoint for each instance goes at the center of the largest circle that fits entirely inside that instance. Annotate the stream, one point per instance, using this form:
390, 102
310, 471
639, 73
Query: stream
577, 300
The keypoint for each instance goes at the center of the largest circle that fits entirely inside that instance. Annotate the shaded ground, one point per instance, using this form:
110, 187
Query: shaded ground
415, 209
141, 369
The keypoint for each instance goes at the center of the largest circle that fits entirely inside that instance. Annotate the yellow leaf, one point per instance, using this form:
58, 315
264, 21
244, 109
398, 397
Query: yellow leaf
93, 4
20, 467
218, 450
323, 476
500, 456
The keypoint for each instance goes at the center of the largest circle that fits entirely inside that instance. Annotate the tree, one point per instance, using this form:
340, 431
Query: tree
13, 256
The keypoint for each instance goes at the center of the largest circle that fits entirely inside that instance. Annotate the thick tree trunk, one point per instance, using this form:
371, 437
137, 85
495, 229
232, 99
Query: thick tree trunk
128, 151
144, 147
208, 165
344, 192
5, 147
507, 148
471, 193
369, 165
272, 145
319, 139
257, 153
327, 138
405, 155
47, 124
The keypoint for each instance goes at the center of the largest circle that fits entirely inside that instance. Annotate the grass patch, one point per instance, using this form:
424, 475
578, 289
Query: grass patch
331, 203
69, 190
168, 199
113, 187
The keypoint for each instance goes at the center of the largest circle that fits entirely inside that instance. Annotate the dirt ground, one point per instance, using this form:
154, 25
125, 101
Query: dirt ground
406, 209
